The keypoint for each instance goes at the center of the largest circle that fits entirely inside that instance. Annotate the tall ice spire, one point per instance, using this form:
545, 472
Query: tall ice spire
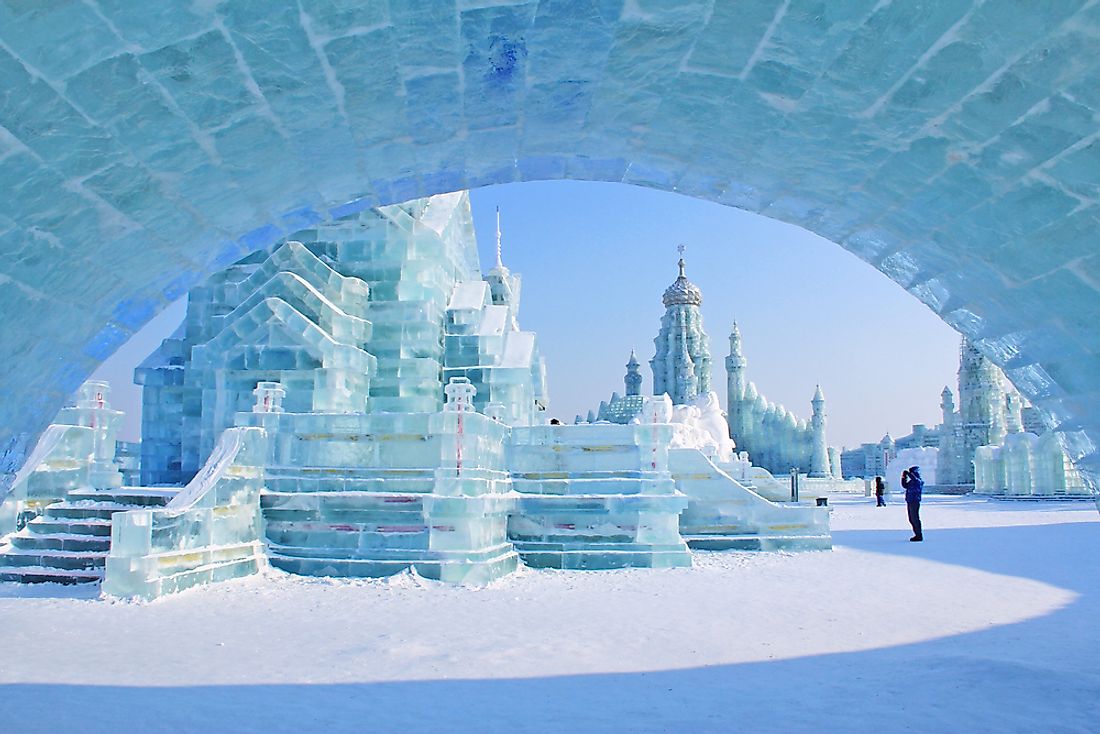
681, 365
819, 448
500, 261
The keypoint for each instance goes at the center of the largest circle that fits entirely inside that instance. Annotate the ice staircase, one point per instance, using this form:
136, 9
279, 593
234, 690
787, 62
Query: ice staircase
375, 494
595, 497
364, 522
723, 514
69, 542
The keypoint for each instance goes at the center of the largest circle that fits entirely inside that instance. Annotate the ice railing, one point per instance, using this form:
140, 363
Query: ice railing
719, 499
57, 445
211, 531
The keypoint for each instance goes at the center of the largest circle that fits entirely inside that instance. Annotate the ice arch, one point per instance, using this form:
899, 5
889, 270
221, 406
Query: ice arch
951, 144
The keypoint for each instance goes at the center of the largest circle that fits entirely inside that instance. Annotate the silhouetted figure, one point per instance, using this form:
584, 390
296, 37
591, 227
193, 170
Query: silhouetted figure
555, 422
914, 485
880, 492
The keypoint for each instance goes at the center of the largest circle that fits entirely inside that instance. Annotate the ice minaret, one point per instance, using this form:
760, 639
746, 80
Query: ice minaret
681, 365
739, 409
633, 377
819, 455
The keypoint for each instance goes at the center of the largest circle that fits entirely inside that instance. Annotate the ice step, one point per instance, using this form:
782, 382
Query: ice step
70, 541
84, 509
60, 559
46, 575
64, 526
749, 542
134, 497
35, 540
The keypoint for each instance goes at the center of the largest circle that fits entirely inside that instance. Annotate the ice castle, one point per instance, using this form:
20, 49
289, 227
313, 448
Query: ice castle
359, 401
776, 440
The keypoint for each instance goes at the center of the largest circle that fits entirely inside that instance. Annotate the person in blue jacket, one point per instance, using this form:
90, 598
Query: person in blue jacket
914, 485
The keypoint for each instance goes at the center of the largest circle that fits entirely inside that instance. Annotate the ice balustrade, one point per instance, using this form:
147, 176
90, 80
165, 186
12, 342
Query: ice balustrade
722, 513
57, 465
211, 531
77, 451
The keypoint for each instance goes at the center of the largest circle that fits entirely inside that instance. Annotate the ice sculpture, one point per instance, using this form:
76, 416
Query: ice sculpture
1026, 465
362, 401
370, 494
67, 495
775, 439
77, 451
148, 148
209, 532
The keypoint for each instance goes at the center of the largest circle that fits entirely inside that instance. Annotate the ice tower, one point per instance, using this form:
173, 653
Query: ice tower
681, 366
623, 408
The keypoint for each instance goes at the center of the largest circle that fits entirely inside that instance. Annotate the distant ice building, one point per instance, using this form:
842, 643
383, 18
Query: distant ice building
991, 442
988, 404
773, 437
681, 365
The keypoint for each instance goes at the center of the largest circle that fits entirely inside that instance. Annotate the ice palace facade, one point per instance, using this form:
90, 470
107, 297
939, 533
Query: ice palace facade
362, 400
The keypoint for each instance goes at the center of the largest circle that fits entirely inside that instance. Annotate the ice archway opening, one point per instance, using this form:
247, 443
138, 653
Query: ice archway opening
953, 146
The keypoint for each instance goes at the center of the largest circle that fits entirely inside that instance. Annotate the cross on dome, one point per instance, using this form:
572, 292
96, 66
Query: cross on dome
682, 291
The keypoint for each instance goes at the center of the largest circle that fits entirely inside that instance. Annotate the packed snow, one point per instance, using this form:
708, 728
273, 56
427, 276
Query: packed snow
989, 625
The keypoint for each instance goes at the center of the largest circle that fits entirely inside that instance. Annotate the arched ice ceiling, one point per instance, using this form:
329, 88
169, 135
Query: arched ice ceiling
951, 144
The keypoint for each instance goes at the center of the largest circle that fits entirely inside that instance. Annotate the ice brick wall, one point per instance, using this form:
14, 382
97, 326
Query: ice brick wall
951, 144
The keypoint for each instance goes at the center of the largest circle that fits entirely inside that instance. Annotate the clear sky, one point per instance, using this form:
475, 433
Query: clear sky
595, 259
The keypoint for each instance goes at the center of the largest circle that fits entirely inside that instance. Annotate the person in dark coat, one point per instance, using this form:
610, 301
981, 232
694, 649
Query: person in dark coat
914, 485
880, 491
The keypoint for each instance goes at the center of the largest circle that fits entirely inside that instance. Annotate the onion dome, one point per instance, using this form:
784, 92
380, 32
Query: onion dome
682, 291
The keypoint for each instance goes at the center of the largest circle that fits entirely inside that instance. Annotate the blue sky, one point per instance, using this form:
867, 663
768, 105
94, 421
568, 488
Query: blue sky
595, 258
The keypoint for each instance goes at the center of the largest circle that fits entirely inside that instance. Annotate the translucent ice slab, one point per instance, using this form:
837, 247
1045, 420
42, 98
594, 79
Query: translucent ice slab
209, 532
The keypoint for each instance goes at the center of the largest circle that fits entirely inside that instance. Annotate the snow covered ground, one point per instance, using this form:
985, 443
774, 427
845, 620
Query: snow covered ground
989, 625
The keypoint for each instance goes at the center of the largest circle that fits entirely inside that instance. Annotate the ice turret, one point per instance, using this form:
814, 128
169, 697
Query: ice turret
739, 406
633, 377
819, 449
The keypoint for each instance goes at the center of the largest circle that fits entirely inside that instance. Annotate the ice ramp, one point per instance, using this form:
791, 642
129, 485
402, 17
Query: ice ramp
723, 514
